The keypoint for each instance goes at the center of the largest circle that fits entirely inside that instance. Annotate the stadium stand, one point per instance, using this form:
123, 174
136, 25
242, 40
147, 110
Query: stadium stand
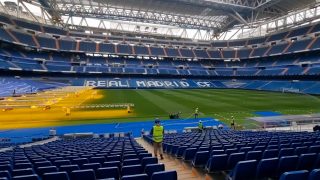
37, 58
10, 86
247, 154
89, 158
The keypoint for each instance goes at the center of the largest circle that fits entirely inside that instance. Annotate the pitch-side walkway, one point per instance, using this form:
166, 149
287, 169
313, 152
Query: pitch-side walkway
184, 169
31, 144
40, 142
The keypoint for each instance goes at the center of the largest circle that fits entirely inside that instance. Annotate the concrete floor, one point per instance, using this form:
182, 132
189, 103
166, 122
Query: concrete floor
184, 169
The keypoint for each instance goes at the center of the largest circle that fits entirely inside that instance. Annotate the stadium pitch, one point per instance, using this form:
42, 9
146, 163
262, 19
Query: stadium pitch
220, 104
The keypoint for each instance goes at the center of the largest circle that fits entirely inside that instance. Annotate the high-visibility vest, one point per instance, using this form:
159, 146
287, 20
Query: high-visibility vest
200, 125
157, 133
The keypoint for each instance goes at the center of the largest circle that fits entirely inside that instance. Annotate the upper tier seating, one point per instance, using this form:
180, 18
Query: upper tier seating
69, 43
285, 65
56, 31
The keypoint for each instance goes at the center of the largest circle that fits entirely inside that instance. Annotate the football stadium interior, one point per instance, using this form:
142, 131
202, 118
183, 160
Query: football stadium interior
227, 89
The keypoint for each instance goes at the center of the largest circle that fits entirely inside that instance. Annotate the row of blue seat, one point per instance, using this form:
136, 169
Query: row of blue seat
100, 172
90, 175
106, 157
244, 170
301, 175
272, 153
70, 44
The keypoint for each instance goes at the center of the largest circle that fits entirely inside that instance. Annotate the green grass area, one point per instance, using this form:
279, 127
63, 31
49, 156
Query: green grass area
217, 103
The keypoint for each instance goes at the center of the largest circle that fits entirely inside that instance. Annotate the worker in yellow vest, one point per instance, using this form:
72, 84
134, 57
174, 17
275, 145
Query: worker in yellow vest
200, 126
196, 113
157, 133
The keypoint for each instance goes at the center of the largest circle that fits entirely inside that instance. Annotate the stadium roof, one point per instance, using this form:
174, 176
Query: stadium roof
205, 17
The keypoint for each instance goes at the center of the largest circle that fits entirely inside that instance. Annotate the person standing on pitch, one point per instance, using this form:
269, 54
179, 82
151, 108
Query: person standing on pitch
233, 125
196, 113
157, 133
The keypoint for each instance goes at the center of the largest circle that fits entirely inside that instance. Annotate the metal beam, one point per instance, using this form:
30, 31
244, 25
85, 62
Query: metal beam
239, 3
152, 17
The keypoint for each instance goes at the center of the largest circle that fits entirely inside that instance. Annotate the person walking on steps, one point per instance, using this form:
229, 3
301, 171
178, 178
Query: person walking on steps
200, 126
157, 133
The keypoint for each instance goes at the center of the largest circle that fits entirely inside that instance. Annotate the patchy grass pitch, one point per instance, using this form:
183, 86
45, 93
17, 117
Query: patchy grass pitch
217, 103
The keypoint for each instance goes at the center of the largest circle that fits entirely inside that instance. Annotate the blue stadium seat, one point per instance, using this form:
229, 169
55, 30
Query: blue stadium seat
135, 177
151, 168
4, 162
107, 172
107, 47
234, 158
314, 174
189, 154
294, 145
143, 155
87, 174
48, 169
270, 153
287, 163
230, 151
42, 164
55, 176
149, 160
131, 170
23, 166
200, 158
317, 162
69, 168
216, 152
114, 158
22, 172
59, 163
314, 149
180, 151
112, 164
266, 168
97, 160
306, 161
254, 155
6, 167
52, 159
22, 161
5, 174
174, 149
93, 166
295, 175
167, 175
26, 177
286, 152
129, 162
80, 161
217, 163
245, 149
301, 150
244, 170
130, 156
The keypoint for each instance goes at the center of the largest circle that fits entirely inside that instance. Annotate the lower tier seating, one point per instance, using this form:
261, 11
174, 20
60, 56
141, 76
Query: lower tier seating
83, 159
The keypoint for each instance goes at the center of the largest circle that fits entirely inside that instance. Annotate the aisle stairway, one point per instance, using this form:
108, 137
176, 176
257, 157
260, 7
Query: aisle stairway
184, 169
